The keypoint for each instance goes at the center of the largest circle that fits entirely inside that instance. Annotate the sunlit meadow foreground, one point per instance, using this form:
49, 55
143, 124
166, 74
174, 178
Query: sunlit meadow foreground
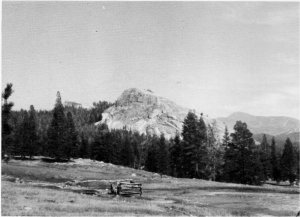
40, 188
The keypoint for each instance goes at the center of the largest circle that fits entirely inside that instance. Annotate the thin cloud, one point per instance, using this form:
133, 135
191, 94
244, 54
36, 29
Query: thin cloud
285, 58
261, 13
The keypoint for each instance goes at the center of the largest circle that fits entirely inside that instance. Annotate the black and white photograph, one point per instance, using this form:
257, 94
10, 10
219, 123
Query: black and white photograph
150, 108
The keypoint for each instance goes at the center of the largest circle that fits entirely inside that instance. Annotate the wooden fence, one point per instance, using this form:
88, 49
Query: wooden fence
126, 188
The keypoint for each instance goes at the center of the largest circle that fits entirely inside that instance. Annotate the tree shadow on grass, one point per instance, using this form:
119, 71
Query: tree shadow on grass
24, 158
44, 159
230, 188
54, 160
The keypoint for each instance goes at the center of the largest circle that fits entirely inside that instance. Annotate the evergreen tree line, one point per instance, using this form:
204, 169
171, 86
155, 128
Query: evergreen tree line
236, 159
28, 133
69, 132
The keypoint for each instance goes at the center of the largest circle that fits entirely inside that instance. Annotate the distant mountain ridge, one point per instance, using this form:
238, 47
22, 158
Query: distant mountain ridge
279, 127
271, 125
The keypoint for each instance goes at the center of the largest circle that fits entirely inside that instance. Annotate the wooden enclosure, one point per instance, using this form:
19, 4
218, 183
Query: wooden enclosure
126, 188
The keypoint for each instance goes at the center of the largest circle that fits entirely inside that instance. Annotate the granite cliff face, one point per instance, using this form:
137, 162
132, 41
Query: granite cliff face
146, 113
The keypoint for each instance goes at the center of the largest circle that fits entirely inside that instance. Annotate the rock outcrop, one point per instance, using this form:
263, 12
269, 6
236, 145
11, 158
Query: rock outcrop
146, 113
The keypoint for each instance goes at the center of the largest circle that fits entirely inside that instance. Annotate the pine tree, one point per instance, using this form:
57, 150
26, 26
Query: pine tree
127, 153
202, 151
215, 153
224, 146
6, 138
176, 157
24, 136
71, 137
116, 146
57, 132
18, 131
297, 165
83, 148
274, 162
100, 147
226, 138
32, 131
97, 110
163, 155
136, 151
265, 158
242, 162
288, 163
151, 162
191, 146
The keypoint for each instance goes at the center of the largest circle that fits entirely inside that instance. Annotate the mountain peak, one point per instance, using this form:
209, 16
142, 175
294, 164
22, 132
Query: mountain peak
134, 95
142, 111
134, 90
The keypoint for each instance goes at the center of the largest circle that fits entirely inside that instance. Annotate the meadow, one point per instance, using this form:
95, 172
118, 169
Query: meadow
39, 188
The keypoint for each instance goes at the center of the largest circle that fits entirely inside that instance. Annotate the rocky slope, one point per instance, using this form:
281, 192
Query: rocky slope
142, 111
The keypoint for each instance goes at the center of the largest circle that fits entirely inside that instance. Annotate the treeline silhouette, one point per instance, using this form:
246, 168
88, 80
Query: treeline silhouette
70, 132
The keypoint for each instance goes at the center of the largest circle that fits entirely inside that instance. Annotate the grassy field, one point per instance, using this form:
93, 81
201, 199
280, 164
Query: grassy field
38, 188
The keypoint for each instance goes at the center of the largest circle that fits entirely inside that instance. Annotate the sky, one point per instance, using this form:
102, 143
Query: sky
215, 57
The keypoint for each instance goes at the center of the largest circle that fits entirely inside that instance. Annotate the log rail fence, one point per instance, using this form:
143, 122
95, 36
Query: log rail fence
126, 188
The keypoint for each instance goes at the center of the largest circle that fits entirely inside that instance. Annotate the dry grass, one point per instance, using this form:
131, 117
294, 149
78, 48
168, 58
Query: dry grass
61, 172
22, 199
162, 197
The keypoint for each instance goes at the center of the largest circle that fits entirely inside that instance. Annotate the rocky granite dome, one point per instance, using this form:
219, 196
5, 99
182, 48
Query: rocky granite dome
146, 113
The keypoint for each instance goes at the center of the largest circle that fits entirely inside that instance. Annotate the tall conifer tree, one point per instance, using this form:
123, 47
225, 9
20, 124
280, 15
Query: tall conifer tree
242, 162
100, 147
226, 137
224, 146
274, 162
163, 155
190, 137
215, 153
24, 141
151, 162
288, 163
6, 139
212, 160
265, 158
194, 146
127, 152
32, 131
71, 137
202, 151
57, 132
83, 148
176, 155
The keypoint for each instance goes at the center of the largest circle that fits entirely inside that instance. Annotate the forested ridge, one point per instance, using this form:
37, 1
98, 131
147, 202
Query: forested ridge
68, 132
